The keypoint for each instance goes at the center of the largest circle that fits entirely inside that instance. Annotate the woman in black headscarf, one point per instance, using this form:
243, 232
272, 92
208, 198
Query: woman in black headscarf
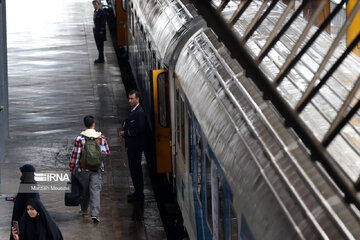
37, 224
24, 194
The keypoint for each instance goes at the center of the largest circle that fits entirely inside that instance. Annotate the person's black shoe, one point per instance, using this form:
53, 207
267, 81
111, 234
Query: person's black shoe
136, 198
99, 61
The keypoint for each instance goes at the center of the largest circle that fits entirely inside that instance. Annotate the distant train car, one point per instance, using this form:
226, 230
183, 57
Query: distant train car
239, 171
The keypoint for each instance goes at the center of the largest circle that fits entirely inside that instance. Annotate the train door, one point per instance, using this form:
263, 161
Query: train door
121, 22
162, 121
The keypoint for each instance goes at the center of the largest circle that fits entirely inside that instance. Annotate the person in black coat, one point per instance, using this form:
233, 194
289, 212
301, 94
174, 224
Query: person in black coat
37, 224
24, 194
134, 134
99, 30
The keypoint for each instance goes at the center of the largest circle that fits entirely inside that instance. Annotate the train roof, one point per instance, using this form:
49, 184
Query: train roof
163, 19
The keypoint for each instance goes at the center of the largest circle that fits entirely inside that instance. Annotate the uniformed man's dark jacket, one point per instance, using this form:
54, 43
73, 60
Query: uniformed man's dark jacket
99, 21
134, 129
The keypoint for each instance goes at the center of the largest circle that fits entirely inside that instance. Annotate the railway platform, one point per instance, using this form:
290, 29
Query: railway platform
53, 84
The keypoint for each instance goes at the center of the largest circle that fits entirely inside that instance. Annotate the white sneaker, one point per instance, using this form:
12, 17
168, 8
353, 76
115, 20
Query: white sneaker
95, 219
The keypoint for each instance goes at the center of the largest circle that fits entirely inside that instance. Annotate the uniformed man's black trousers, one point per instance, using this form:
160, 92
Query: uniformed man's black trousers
134, 158
99, 40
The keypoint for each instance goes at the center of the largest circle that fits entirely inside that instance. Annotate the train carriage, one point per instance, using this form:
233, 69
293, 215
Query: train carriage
240, 171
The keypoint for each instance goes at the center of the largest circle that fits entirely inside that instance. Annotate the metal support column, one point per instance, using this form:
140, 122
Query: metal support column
4, 113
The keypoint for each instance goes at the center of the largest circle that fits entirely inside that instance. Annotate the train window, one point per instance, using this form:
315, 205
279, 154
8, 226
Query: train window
142, 45
136, 26
153, 60
123, 3
145, 48
149, 55
182, 126
189, 142
132, 24
234, 234
208, 192
163, 100
198, 165
177, 117
133, 21
221, 211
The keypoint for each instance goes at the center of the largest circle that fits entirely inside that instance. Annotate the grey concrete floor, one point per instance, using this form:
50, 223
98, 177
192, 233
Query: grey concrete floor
53, 83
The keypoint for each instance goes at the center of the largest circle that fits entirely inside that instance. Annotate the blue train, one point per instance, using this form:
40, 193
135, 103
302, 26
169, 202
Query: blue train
238, 170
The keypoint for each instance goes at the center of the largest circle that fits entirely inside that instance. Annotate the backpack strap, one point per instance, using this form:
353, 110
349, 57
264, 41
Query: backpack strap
89, 138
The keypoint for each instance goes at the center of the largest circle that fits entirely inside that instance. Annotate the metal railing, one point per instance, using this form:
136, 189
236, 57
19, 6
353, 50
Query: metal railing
224, 27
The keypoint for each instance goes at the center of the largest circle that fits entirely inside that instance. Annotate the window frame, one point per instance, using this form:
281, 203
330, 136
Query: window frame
234, 224
198, 174
182, 127
189, 145
123, 5
221, 209
208, 190
177, 111
165, 109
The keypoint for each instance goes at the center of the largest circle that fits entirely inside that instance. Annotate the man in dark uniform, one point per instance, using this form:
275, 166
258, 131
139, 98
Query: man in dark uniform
134, 133
99, 30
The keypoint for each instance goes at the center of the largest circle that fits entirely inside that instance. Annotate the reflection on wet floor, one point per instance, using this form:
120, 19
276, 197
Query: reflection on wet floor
53, 83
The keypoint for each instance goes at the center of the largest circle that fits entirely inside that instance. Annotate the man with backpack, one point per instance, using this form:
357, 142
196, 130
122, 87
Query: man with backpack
86, 164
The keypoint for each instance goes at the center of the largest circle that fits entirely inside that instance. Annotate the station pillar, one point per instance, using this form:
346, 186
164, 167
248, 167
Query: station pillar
4, 112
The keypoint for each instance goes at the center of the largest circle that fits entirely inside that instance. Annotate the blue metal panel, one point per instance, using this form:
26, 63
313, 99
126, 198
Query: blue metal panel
227, 215
221, 175
245, 233
228, 194
197, 205
207, 231
202, 227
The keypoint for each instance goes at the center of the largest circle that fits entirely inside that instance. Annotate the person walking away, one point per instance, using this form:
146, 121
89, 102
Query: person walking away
36, 224
86, 163
134, 133
99, 29
25, 193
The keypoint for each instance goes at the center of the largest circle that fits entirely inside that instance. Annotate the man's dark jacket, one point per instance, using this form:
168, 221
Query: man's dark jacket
134, 129
99, 21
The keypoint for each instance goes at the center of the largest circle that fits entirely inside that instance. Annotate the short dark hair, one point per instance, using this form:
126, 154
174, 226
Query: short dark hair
137, 94
96, 1
89, 121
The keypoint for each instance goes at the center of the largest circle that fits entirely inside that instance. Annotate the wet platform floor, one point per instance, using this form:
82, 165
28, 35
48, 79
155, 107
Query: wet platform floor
53, 84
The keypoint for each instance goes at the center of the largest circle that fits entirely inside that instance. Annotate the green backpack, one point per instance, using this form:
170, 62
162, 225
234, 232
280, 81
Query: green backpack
91, 154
